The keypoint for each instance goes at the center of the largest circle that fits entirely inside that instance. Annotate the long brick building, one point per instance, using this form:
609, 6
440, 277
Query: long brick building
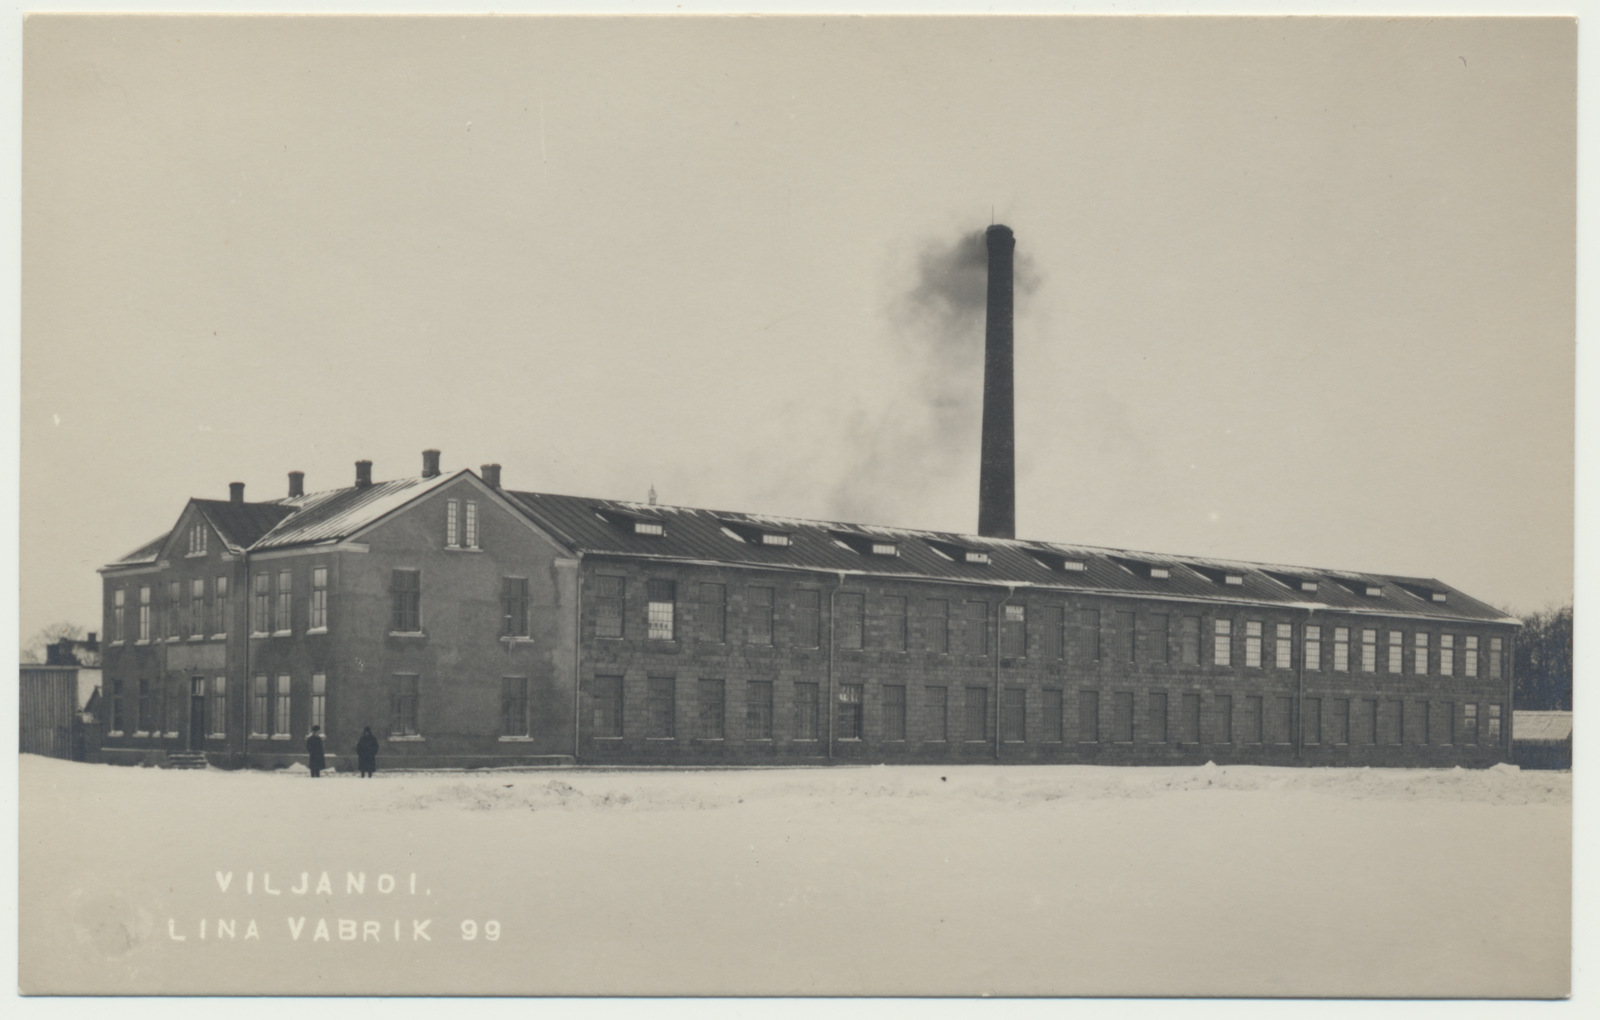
471, 625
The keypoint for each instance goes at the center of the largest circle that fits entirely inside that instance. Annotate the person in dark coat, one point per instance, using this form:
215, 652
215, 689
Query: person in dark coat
314, 755
367, 753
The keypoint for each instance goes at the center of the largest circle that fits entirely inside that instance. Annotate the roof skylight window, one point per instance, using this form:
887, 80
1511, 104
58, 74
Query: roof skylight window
1160, 573
649, 528
1233, 579
885, 549
774, 538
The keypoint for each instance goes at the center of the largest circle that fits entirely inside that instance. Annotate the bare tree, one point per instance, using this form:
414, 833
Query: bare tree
1544, 660
35, 650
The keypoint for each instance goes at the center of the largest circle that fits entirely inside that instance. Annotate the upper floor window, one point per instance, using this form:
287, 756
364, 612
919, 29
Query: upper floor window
197, 607
118, 598
661, 596
1419, 663
174, 609
1189, 640
608, 606
894, 622
219, 606
319, 598
1222, 645
405, 593
1470, 663
197, 540
1313, 647
1252, 644
1341, 649
758, 615
144, 612
808, 618
514, 607
976, 633
1014, 632
460, 524
852, 620
469, 524
936, 616
1447, 654
285, 601
1284, 646
261, 605
1369, 651
713, 613
1494, 660
1397, 642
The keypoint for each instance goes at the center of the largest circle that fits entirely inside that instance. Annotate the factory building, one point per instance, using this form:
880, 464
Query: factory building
470, 625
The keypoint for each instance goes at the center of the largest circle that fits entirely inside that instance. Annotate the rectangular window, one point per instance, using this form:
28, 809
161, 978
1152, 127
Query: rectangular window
1014, 715
1014, 632
143, 715
1494, 658
936, 616
197, 607
1313, 660
171, 705
260, 706
197, 540
807, 618
894, 623
281, 623
319, 700
1469, 724
1392, 727
805, 711
977, 713
852, 622
452, 524
1311, 720
1282, 720
1339, 720
849, 712
118, 600
118, 709
1252, 644
1158, 718
1089, 717
1189, 640
608, 706
405, 594
661, 601
894, 711
1283, 646
319, 598
1127, 635
1369, 721
1251, 733
280, 707
608, 607
469, 531
1046, 622
514, 706
219, 607
1494, 719
1157, 647
758, 710
938, 713
219, 707
1189, 720
174, 610
661, 712
1222, 645
975, 633
407, 707
1088, 637
1470, 660
713, 614
1122, 717
1445, 714
758, 615
1341, 649
711, 706
1419, 661
261, 605
514, 607
144, 612
1369, 651
1224, 718
1052, 715
1447, 654
1396, 645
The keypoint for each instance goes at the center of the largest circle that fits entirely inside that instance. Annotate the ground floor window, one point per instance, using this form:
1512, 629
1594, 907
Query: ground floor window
1469, 724
219, 706
894, 712
1494, 720
118, 722
1052, 715
259, 706
1122, 717
1014, 713
514, 706
1311, 720
146, 708
977, 713
1251, 730
711, 709
1189, 719
171, 704
1282, 720
1089, 717
849, 712
280, 708
661, 707
1224, 718
319, 700
805, 711
407, 705
608, 706
758, 710
937, 712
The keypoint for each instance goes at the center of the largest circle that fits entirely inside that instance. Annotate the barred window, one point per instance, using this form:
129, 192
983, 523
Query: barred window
1311, 720
1313, 647
894, 623
975, 633
1419, 662
661, 712
1222, 646
1494, 718
1189, 719
1470, 662
1089, 634
219, 608
319, 700
608, 606
1469, 723
849, 712
513, 607
1122, 717
1369, 651
1283, 649
219, 706
319, 598
660, 595
894, 711
936, 627
1447, 654
1252, 644
1089, 717
260, 706
937, 711
261, 605
758, 709
514, 706
1341, 649
1048, 621
280, 707
405, 590
977, 713
1397, 642
808, 618
607, 706
1224, 718
407, 705
1052, 715
713, 613
805, 711
710, 708
1158, 647
1158, 717
1252, 719
852, 626
1014, 715
1014, 632
1189, 640
282, 622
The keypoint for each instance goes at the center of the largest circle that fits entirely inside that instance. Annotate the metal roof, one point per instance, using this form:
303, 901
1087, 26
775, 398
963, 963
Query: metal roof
1541, 727
339, 513
602, 526
241, 524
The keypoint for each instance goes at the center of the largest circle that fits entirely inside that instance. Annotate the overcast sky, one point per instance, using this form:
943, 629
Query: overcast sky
1292, 291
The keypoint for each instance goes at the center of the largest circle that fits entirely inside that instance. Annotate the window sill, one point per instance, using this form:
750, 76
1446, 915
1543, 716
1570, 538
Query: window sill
662, 739
219, 637
195, 555
408, 633
609, 737
115, 733
317, 630
258, 736
141, 733
197, 637
410, 738
463, 548
283, 633
281, 736
116, 644
174, 639
216, 736
516, 639
259, 634
516, 740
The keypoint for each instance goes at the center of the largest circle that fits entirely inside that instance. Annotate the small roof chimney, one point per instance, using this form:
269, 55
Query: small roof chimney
491, 475
236, 493
363, 474
430, 463
297, 484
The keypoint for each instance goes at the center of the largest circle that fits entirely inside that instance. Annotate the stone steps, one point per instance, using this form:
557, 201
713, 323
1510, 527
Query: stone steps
186, 760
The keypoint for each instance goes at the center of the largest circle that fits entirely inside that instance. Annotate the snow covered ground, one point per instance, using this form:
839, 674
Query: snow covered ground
885, 880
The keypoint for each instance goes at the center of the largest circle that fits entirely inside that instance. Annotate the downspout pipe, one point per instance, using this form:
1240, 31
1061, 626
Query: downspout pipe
1299, 719
577, 659
245, 596
831, 709
999, 637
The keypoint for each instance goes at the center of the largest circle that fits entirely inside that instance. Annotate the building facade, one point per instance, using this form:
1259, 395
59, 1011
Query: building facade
469, 625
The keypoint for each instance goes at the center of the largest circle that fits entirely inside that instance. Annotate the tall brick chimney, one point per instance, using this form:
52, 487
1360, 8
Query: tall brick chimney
491, 475
430, 463
236, 493
297, 484
363, 474
997, 474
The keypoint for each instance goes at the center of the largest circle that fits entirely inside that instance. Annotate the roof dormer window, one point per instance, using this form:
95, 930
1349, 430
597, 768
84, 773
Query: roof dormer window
774, 538
631, 522
1056, 561
1233, 579
1160, 573
1374, 590
974, 556
1309, 586
756, 534
1440, 596
885, 549
1143, 568
866, 545
959, 553
649, 528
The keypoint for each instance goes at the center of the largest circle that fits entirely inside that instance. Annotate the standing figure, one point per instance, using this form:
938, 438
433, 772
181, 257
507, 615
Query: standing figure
367, 753
314, 755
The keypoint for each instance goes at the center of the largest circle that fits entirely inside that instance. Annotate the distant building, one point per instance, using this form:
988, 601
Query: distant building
469, 625
48, 719
1542, 739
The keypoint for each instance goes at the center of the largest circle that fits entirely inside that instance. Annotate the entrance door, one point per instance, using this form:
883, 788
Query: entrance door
197, 713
